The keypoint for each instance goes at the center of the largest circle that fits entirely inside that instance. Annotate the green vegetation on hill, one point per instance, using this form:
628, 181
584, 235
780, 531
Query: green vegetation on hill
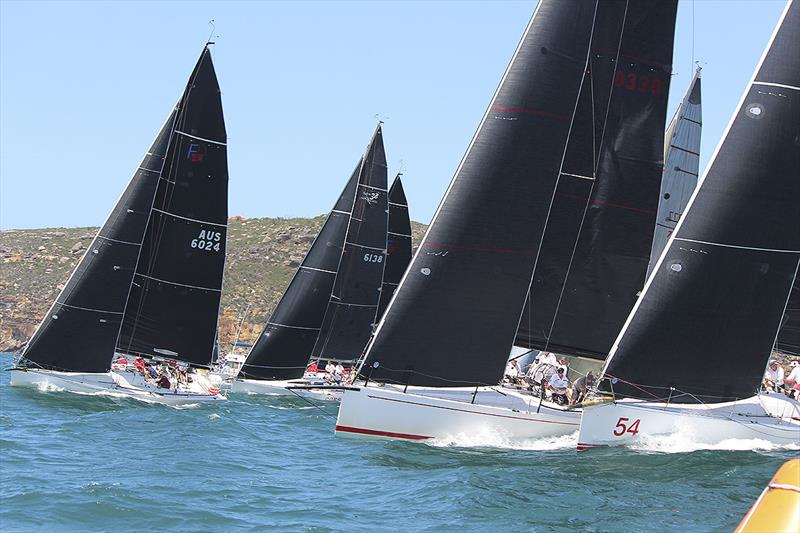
263, 254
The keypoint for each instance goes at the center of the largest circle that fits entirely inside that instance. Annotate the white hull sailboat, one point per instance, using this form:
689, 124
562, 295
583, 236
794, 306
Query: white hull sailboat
309, 386
692, 353
542, 238
148, 288
114, 384
451, 413
773, 418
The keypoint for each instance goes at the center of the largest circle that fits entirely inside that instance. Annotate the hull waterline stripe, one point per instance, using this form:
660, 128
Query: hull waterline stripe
179, 284
583, 446
780, 251
782, 86
201, 138
377, 433
293, 327
189, 219
474, 412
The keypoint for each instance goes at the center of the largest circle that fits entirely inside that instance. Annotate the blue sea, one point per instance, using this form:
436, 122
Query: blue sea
95, 463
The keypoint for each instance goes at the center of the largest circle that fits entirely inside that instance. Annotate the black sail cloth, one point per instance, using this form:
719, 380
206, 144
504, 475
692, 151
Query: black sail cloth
597, 243
707, 320
173, 305
80, 330
398, 245
284, 346
454, 317
354, 300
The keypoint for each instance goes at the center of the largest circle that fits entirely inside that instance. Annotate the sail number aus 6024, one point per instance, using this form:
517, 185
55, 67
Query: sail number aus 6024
623, 427
207, 240
373, 258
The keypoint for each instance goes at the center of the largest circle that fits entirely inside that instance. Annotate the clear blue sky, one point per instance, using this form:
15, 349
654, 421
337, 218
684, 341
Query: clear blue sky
84, 86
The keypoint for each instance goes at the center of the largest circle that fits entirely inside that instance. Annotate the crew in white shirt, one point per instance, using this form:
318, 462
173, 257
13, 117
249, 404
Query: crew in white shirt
559, 385
549, 359
773, 377
792, 382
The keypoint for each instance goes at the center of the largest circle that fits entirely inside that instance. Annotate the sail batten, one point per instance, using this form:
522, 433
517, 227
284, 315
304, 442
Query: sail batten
721, 290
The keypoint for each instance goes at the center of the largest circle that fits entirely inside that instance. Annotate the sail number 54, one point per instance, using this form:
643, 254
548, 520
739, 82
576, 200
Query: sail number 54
207, 240
623, 427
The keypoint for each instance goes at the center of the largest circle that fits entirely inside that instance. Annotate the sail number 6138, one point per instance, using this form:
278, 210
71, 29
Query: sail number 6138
623, 427
373, 258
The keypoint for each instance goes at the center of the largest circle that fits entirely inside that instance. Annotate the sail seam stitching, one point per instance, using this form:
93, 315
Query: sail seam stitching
117, 240
318, 269
781, 85
294, 327
578, 176
88, 309
365, 246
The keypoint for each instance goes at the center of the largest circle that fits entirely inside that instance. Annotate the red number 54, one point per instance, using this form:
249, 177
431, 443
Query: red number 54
621, 428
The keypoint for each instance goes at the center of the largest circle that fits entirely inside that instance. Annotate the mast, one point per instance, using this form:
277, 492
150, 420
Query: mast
453, 319
681, 167
173, 303
594, 254
398, 245
721, 286
287, 339
353, 305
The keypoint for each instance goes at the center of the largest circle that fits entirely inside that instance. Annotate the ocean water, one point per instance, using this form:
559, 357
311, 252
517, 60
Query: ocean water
89, 463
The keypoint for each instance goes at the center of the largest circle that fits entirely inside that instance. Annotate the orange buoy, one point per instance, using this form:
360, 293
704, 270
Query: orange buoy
777, 510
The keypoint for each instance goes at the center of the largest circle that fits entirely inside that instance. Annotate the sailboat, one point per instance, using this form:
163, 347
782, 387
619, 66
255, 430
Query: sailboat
681, 166
556, 196
149, 285
692, 354
330, 307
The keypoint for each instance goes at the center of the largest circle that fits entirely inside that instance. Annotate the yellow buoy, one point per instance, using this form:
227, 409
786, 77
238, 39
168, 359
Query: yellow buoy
777, 510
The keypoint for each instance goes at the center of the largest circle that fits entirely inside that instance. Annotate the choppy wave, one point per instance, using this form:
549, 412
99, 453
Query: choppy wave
685, 442
491, 439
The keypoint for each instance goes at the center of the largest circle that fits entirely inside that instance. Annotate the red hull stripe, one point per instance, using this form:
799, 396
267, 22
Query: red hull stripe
476, 412
375, 432
582, 446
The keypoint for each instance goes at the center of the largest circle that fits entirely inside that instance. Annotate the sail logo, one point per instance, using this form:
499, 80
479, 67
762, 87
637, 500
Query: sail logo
195, 153
370, 197
207, 240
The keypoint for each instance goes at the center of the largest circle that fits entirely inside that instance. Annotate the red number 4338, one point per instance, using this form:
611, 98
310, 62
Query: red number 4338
622, 427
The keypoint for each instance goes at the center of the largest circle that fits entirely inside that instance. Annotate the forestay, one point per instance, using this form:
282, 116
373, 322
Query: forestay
709, 316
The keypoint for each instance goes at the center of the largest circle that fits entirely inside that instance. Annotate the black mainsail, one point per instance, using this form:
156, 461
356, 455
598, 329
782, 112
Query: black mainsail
173, 304
789, 336
398, 244
285, 344
719, 291
453, 319
594, 254
80, 331
681, 166
353, 304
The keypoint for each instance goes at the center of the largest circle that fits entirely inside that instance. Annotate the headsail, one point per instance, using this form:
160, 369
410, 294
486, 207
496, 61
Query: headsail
789, 336
596, 247
354, 300
173, 304
681, 166
79, 331
718, 292
398, 244
454, 317
284, 346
